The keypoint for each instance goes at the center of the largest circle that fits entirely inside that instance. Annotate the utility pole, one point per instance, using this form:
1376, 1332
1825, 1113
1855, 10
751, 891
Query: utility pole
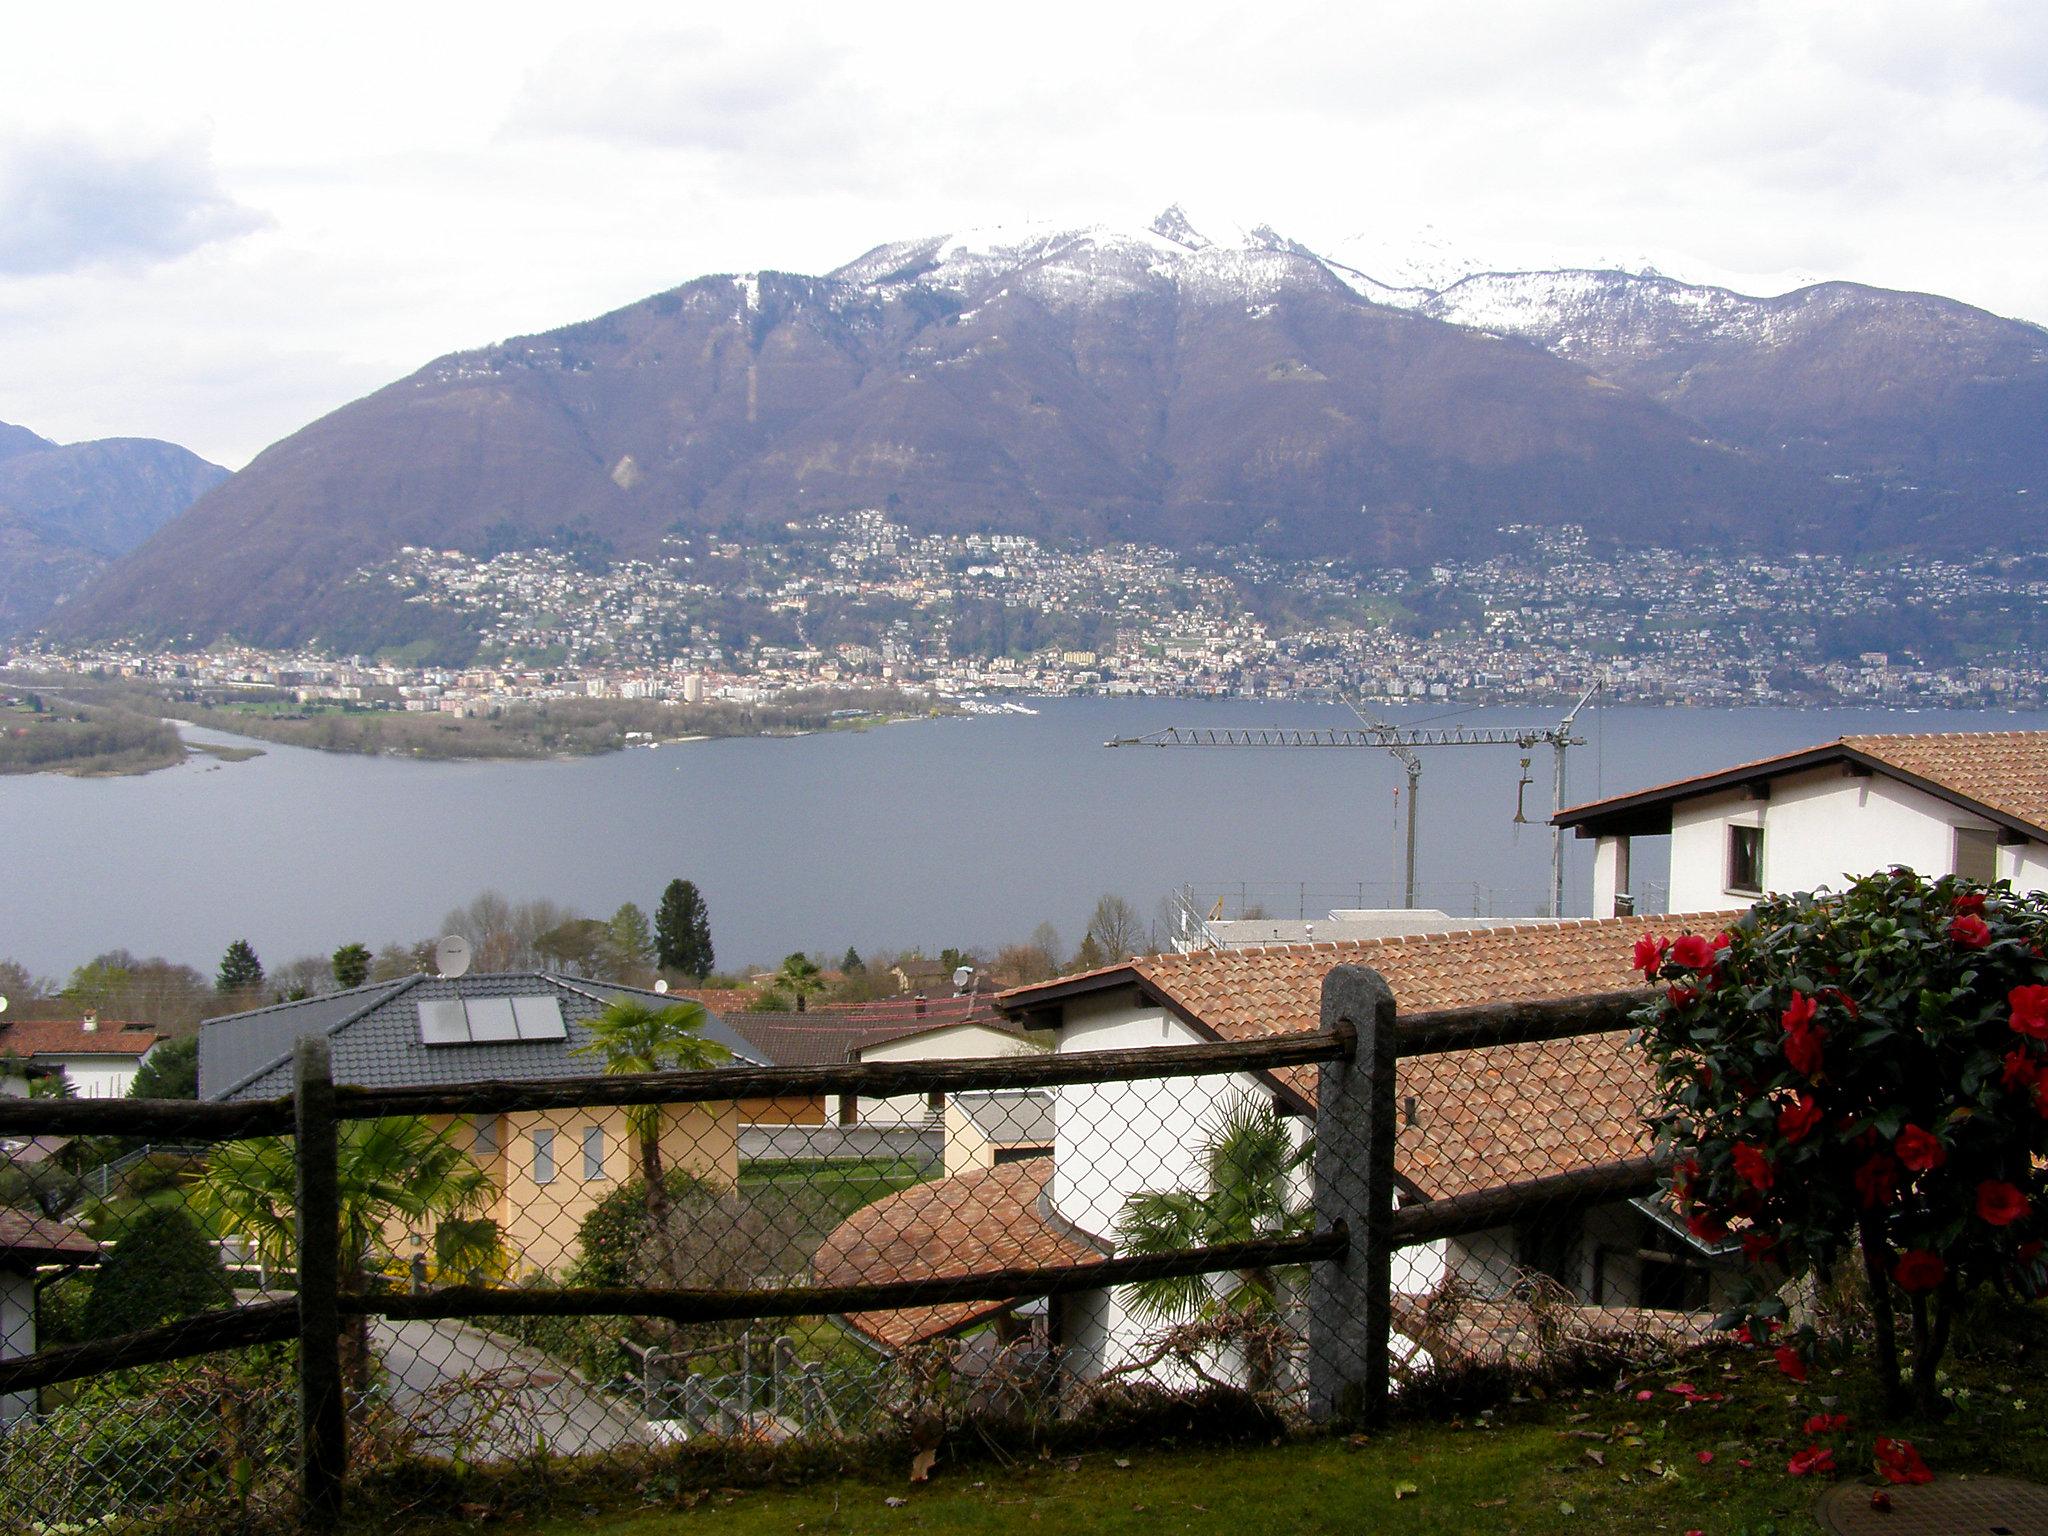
1380, 735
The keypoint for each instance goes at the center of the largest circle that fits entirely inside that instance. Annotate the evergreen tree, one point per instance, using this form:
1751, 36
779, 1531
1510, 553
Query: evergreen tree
161, 1269
682, 931
172, 1072
628, 943
853, 965
351, 965
240, 970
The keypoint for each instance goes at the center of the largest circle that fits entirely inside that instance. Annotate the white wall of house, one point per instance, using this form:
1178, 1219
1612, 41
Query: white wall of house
17, 1333
954, 1042
1824, 827
97, 1077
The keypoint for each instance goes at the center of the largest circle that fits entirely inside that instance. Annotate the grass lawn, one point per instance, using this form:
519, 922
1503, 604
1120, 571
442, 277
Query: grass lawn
1591, 1459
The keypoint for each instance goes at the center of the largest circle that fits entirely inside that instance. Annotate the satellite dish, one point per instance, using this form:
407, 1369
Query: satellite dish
661, 986
961, 977
3, 1004
451, 957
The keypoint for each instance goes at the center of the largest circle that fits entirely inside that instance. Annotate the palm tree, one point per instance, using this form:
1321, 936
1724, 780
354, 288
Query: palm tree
1248, 1163
798, 979
395, 1169
633, 1037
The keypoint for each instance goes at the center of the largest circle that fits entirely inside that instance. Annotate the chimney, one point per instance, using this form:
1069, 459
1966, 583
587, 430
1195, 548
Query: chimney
91, 1022
920, 1005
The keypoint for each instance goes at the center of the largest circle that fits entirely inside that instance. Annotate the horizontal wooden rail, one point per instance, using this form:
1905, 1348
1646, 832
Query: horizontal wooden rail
265, 1322
867, 1079
1485, 1024
1462, 1214
145, 1117
711, 1306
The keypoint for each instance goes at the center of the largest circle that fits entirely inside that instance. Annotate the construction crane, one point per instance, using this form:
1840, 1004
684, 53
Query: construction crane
1402, 743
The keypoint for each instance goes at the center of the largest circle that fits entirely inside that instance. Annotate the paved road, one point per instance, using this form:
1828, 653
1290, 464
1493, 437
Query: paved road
490, 1399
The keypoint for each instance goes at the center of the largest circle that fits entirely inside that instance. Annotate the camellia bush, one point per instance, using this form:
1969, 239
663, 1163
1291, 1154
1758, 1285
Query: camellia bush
1862, 1077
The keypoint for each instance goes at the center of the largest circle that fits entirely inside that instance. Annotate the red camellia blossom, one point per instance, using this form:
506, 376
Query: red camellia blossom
1693, 951
1877, 1182
1757, 1245
1682, 997
1650, 953
2001, 1204
1969, 931
1898, 1462
2029, 1011
1920, 1150
1707, 1227
1752, 1167
1797, 1120
1803, 1050
2020, 1070
1814, 1459
1973, 902
1826, 1424
1799, 1012
1789, 1362
1919, 1270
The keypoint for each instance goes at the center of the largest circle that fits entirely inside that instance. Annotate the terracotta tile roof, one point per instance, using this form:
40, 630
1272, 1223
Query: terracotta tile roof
830, 1035
990, 1219
720, 1000
70, 1037
2001, 773
1483, 1117
27, 1236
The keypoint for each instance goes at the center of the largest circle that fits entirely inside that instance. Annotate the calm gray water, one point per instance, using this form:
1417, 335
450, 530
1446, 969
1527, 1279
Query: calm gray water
964, 831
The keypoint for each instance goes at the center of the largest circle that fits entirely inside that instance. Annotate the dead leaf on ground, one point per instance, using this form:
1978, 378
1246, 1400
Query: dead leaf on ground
921, 1466
1406, 1490
895, 1503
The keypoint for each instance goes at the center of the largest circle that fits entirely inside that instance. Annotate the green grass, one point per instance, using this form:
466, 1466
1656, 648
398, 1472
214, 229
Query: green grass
1580, 1460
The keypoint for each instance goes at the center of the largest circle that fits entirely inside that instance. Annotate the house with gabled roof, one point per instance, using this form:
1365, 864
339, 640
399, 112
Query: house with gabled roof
29, 1243
1471, 1120
98, 1057
1970, 803
549, 1168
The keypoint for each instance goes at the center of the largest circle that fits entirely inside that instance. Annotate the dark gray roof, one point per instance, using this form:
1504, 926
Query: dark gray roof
374, 1033
1010, 1117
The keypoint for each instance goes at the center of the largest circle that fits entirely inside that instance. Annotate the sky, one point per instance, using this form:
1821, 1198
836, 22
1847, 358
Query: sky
218, 222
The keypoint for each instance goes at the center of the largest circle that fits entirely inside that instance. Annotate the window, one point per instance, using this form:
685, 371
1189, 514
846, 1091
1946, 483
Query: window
1976, 855
1746, 859
543, 1157
593, 1152
483, 1135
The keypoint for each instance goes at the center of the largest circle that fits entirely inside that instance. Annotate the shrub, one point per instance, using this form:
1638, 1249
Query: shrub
1864, 1073
162, 1268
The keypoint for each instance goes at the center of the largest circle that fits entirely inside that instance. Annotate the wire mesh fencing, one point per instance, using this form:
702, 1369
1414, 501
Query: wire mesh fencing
230, 1311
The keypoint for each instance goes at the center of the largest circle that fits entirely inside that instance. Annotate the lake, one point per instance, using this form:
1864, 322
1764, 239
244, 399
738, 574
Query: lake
966, 831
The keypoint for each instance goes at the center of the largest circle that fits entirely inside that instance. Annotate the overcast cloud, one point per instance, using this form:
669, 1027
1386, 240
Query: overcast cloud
216, 224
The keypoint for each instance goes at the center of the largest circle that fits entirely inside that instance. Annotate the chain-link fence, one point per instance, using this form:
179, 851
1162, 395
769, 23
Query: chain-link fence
221, 1310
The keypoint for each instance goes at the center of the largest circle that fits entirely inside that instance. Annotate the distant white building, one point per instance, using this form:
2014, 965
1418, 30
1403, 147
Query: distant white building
99, 1058
1964, 803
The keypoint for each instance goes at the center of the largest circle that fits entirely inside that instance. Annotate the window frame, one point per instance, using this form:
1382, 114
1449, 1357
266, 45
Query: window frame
1737, 832
1977, 836
544, 1155
593, 1153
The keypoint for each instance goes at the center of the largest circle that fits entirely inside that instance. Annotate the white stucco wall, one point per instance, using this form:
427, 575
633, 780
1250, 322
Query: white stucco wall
17, 1334
97, 1077
955, 1042
1824, 827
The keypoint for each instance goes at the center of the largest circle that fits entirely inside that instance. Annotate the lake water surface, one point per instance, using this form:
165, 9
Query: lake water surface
966, 831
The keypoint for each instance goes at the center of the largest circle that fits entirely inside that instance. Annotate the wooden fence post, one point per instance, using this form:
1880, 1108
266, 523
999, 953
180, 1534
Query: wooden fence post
323, 1414
1350, 1327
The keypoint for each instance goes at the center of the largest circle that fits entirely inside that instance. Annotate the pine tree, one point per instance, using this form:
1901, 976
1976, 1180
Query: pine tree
629, 942
682, 931
351, 965
853, 965
240, 970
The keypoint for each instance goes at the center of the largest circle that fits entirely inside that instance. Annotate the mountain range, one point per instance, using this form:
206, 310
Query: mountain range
68, 510
1148, 383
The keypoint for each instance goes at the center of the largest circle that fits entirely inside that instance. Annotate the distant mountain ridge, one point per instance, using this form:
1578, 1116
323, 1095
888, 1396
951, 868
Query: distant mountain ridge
1157, 383
68, 510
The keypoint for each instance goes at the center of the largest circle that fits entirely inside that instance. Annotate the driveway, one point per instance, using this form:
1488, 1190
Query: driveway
478, 1395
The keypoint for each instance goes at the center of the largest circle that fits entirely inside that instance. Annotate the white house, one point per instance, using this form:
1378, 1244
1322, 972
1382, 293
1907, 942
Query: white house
1964, 803
28, 1242
99, 1058
1471, 1120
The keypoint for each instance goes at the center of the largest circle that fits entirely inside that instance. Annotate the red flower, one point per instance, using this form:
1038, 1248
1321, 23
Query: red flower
1682, 997
1752, 1166
1898, 1462
1973, 902
1803, 1050
1650, 953
1799, 1012
2020, 1069
1693, 951
1757, 1245
1789, 1362
1707, 1227
1970, 931
1877, 1182
1815, 1458
1704, 1458
1826, 1424
1848, 1003
1919, 1270
2029, 1011
1796, 1121
1920, 1150
2001, 1204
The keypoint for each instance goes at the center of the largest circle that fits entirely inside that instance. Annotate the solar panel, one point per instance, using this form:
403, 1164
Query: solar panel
490, 1019
443, 1022
540, 1018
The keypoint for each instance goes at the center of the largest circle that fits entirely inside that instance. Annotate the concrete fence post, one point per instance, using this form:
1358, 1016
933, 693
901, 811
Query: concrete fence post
323, 1414
1350, 1326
